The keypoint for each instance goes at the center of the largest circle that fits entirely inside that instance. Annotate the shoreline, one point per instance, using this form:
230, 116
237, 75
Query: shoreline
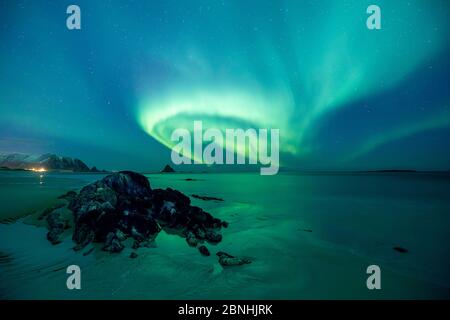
331, 224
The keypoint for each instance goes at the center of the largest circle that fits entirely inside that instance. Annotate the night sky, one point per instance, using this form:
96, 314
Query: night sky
344, 97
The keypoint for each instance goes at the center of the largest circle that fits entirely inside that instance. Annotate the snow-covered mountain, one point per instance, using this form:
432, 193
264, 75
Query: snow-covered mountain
46, 161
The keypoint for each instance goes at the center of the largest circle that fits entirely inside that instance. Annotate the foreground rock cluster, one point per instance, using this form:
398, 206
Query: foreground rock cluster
124, 206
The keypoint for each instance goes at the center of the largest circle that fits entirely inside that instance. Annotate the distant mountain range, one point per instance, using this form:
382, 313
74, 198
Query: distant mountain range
47, 162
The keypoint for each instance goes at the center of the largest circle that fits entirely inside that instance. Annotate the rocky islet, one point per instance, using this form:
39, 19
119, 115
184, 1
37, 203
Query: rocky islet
123, 205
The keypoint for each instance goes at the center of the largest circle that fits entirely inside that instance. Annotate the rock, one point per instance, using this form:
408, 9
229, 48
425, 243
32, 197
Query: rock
167, 169
213, 236
172, 210
133, 255
136, 245
120, 235
48, 210
224, 224
88, 251
191, 239
128, 184
166, 203
400, 249
204, 250
118, 201
200, 233
112, 243
205, 198
56, 227
148, 243
82, 235
227, 260
123, 205
54, 237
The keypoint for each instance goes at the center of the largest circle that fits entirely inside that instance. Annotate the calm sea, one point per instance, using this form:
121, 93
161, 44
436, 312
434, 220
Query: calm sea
308, 235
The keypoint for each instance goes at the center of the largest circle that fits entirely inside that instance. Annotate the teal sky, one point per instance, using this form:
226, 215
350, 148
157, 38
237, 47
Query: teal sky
344, 97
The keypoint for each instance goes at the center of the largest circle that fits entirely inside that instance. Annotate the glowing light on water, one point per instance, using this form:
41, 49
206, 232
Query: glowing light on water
41, 178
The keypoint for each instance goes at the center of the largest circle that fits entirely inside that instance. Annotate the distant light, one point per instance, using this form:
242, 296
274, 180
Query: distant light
38, 169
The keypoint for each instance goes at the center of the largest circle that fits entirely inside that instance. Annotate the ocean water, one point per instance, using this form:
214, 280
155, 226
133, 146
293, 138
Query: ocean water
308, 236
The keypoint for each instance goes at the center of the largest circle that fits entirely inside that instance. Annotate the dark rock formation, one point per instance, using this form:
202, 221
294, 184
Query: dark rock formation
205, 198
133, 255
5, 258
56, 226
118, 202
204, 250
113, 242
173, 212
49, 210
400, 249
123, 205
88, 252
167, 169
191, 239
227, 260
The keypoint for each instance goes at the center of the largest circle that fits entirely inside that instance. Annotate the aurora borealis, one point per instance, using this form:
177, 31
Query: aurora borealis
344, 97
